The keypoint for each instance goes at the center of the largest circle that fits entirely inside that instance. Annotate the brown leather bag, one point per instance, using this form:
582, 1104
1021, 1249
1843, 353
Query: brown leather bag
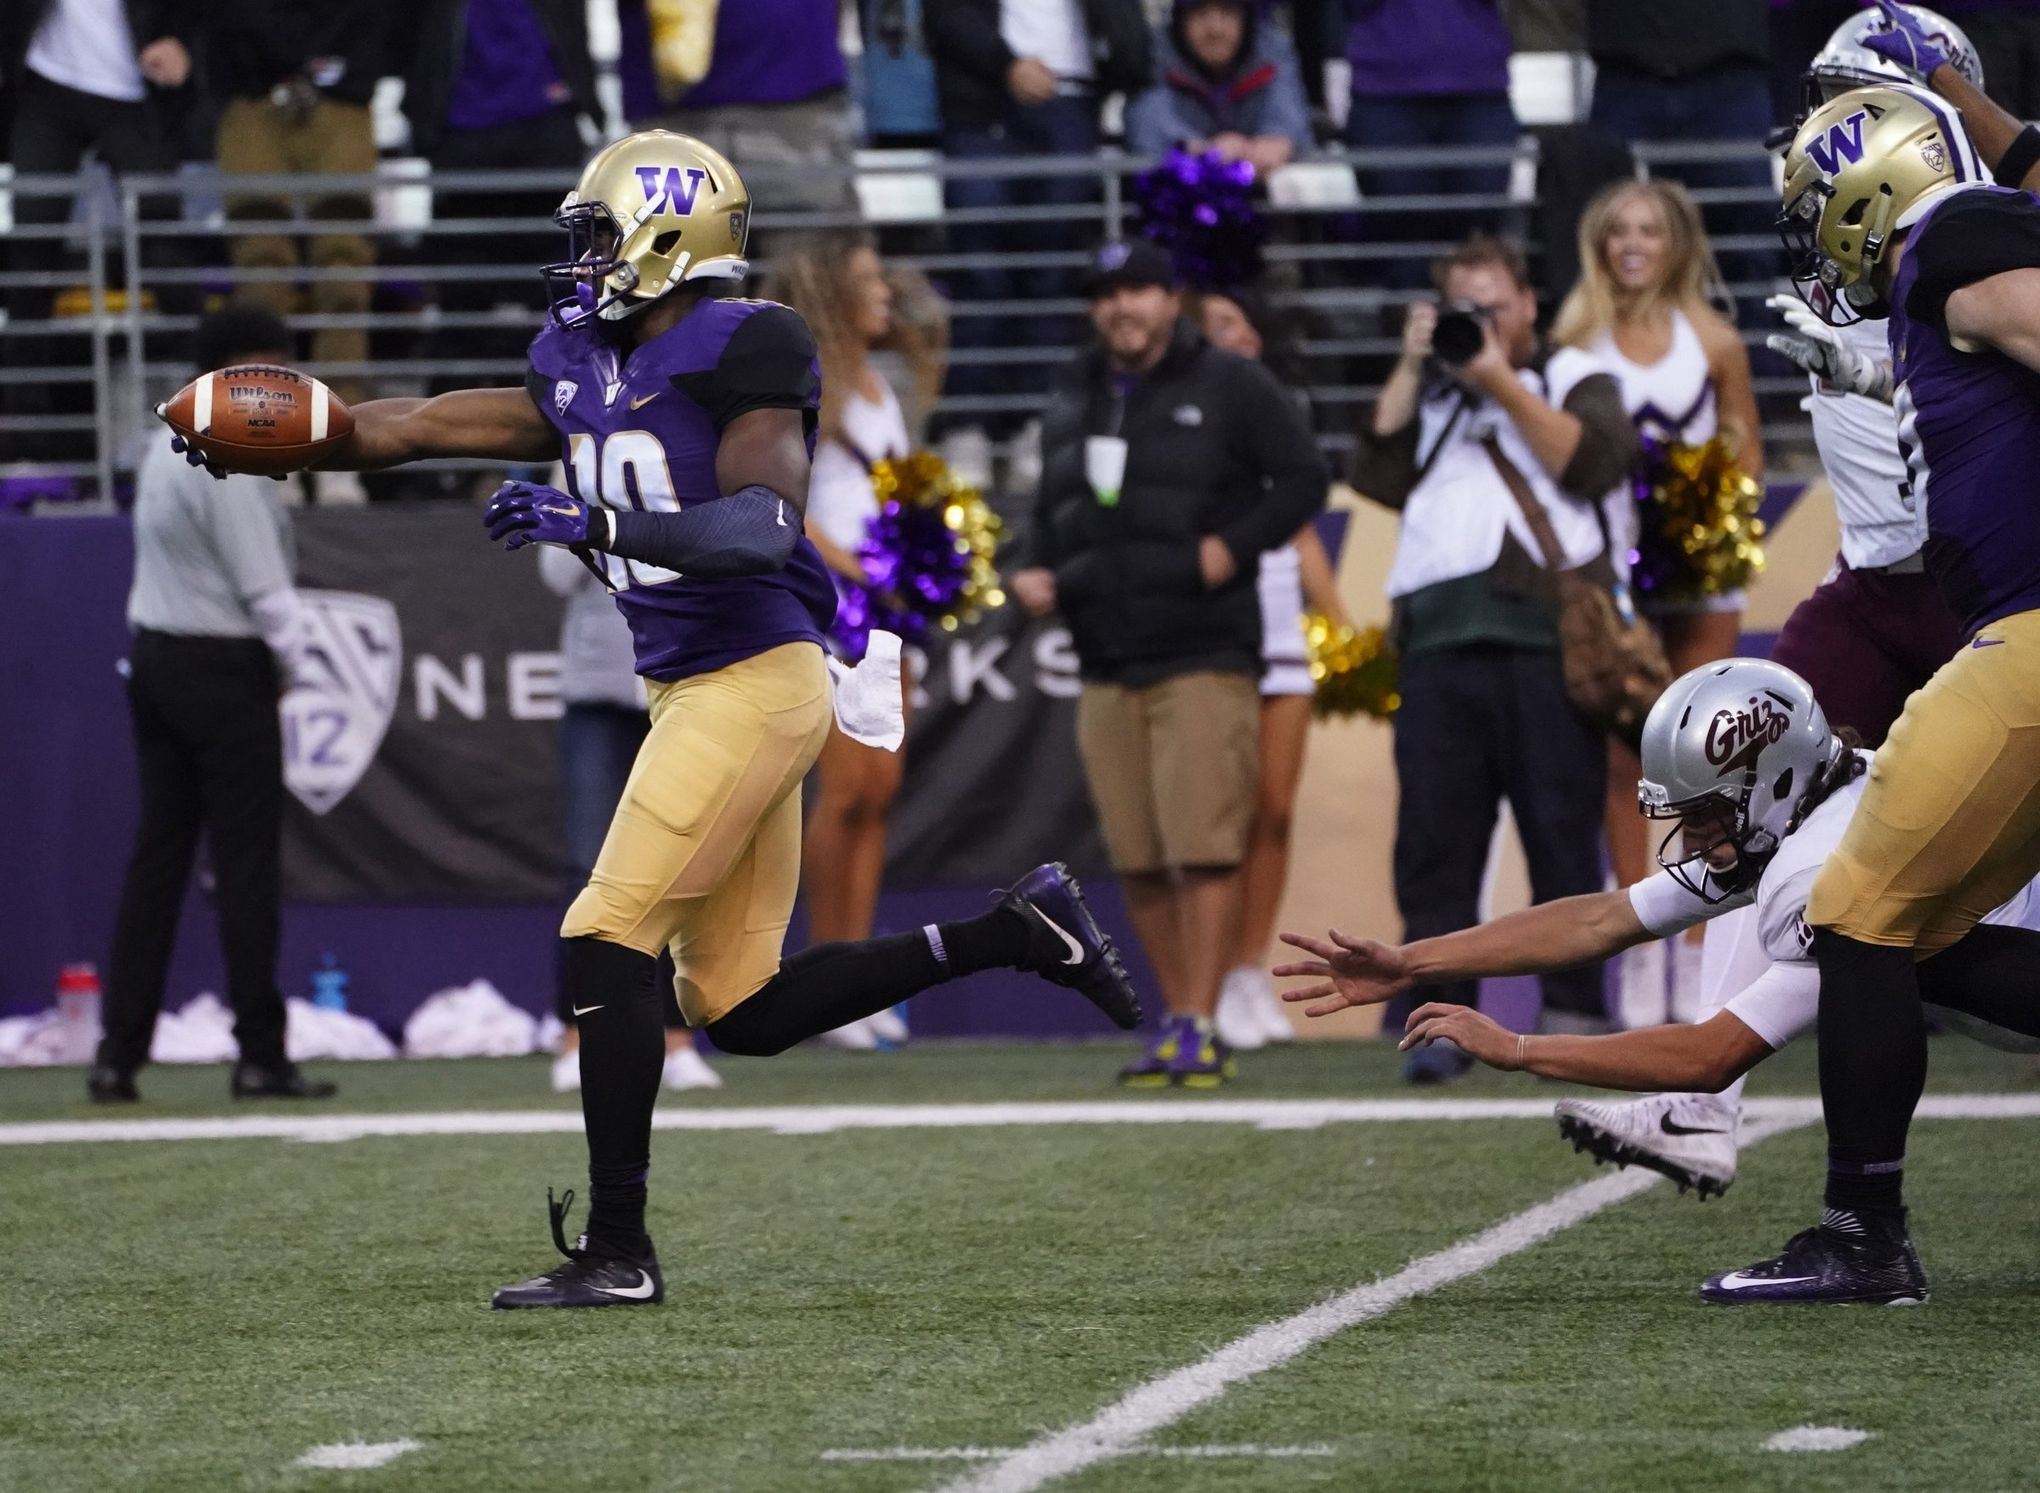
1614, 665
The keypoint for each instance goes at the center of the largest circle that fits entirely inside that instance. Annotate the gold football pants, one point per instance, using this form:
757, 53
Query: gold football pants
703, 856
1949, 826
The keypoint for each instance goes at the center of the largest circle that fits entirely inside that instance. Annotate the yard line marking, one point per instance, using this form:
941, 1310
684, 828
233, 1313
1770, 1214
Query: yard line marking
1161, 1402
349, 1455
823, 1119
1816, 1439
993, 1453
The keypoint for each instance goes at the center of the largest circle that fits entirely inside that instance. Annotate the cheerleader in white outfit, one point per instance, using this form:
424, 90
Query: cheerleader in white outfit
1249, 1013
841, 288
1641, 306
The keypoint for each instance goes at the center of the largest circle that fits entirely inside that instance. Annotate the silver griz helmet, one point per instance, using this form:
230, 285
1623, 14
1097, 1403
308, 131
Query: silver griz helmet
1845, 63
1746, 734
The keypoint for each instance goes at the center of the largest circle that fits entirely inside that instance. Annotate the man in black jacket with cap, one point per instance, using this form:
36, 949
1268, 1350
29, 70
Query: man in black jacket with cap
1170, 467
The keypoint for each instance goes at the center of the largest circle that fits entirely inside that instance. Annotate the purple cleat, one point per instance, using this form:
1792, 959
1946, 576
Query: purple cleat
1203, 1061
1849, 1258
1066, 945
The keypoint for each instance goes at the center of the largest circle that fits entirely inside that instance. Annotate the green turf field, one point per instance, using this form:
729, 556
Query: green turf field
198, 1314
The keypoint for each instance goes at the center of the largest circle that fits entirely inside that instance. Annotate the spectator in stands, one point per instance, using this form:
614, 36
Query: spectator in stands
1170, 468
1641, 308
601, 728
1228, 83
296, 85
1492, 461
218, 635
499, 84
1426, 73
1297, 574
898, 76
1024, 78
1692, 70
842, 289
774, 95
81, 78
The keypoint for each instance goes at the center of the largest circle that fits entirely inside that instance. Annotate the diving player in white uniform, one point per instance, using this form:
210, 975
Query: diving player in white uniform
1740, 755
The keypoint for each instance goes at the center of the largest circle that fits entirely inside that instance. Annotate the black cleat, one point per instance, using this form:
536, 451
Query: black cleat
591, 1277
1067, 947
111, 1086
252, 1081
1848, 1259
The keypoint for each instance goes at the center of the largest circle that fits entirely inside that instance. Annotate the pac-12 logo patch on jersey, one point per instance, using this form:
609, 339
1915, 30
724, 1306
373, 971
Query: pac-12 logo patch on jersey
1841, 144
563, 394
334, 723
671, 189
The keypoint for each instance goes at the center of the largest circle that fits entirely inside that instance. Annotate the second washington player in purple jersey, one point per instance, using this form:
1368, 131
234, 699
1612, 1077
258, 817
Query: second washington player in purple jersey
1889, 213
687, 423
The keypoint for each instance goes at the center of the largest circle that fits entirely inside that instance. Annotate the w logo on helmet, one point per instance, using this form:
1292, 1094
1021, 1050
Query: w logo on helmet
672, 189
1841, 145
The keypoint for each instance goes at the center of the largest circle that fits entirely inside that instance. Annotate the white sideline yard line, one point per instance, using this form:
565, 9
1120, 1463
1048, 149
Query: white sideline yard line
350, 1456
993, 1453
823, 1119
1150, 1407
1817, 1439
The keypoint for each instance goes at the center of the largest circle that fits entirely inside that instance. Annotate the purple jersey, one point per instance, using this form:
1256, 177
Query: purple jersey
1969, 422
640, 428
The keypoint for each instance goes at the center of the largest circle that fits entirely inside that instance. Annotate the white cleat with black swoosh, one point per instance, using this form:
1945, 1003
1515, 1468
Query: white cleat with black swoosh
590, 1277
1690, 1138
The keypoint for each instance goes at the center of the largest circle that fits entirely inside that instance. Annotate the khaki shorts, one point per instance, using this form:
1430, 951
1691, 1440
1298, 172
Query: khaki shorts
703, 856
1949, 825
1174, 769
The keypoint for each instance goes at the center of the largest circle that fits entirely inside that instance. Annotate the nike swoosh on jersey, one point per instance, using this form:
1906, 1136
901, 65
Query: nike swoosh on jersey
1738, 1280
584, 1010
638, 404
640, 1292
1076, 949
1985, 642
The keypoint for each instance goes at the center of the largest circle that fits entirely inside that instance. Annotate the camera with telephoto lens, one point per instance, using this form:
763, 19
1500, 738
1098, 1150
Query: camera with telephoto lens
1461, 332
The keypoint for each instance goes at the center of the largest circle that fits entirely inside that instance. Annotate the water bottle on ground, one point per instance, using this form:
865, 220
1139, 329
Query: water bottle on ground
78, 1011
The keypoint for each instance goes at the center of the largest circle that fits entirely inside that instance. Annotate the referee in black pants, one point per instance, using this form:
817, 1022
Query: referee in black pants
218, 630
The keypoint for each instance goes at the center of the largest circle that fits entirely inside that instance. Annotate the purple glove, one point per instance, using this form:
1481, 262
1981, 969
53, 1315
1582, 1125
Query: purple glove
1906, 43
524, 513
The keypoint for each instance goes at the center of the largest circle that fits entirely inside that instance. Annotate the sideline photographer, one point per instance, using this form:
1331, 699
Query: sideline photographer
1482, 438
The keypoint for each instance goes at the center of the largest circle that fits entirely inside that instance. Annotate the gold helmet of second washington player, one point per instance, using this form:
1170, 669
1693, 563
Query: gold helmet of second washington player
650, 213
1863, 166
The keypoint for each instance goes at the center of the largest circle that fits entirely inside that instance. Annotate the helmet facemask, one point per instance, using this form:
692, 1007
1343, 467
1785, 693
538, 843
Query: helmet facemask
1688, 863
1840, 294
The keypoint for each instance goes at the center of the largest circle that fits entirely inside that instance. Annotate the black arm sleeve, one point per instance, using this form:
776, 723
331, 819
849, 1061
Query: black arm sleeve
744, 533
540, 388
1977, 235
768, 364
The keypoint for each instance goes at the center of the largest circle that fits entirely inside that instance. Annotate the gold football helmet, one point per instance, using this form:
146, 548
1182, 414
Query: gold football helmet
650, 213
1863, 166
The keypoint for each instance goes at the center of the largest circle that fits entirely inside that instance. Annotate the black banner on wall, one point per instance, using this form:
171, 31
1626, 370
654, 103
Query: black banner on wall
423, 757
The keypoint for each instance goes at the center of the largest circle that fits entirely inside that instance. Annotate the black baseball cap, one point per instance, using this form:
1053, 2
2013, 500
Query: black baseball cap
1129, 262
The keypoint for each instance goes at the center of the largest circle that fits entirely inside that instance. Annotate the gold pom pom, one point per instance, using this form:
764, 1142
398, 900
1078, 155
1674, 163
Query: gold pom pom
948, 595
1704, 510
1355, 668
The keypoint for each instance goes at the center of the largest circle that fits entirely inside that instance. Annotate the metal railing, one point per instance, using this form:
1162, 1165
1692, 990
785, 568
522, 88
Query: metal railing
121, 285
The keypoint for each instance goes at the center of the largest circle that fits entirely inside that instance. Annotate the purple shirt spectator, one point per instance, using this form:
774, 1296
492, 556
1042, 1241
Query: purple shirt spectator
506, 68
1422, 48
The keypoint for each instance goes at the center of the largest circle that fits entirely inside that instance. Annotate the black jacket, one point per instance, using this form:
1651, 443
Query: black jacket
253, 45
1214, 446
971, 58
439, 38
148, 20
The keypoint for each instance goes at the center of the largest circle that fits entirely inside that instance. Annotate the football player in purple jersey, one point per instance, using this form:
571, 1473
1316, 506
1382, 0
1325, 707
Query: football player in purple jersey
686, 417
1889, 212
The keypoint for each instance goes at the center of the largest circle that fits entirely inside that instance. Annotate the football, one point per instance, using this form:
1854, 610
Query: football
259, 419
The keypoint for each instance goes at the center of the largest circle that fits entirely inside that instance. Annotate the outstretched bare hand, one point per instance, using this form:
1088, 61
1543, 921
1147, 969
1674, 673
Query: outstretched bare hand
1347, 971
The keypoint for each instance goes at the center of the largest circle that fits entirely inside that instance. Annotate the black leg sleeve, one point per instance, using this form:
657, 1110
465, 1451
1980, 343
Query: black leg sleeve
613, 994
1873, 1065
827, 986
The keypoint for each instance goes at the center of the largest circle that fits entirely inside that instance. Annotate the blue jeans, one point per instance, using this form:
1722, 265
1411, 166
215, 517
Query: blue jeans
1062, 126
1380, 123
598, 744
1728, 103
